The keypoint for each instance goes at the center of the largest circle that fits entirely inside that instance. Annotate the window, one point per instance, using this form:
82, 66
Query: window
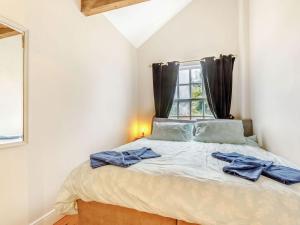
190, 101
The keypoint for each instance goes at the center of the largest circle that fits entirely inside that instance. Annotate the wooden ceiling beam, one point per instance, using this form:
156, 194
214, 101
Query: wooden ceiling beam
7, 31
92, 7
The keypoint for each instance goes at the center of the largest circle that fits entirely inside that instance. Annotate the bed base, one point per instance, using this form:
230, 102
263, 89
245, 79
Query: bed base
94, 213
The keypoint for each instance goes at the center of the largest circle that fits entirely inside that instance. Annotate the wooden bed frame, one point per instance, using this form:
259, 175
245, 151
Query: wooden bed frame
94, 213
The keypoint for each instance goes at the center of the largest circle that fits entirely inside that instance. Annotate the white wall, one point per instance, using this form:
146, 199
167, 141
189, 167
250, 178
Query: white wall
203, 28
274, 74
82, 88
243, 58
82, 85
139, 22
11, 86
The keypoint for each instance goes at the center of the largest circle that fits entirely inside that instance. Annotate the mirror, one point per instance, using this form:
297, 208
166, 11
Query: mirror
12, 84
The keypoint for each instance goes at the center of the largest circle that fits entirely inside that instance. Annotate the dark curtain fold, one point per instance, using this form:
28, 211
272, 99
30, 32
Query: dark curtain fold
217, 77
164, 86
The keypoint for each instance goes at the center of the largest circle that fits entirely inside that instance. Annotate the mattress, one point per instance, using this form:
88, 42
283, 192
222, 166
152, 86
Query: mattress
187, 184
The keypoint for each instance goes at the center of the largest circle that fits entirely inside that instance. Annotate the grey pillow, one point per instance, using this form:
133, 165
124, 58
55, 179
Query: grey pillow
252, 141
220, 131
172, 131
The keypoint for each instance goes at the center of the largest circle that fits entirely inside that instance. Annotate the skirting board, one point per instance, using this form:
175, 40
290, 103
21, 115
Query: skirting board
47, 219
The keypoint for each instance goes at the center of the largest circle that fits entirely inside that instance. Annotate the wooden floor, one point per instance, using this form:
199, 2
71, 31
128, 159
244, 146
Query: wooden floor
68, 220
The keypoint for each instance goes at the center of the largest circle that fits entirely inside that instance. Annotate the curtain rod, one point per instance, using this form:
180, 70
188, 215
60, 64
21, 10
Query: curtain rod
196, 60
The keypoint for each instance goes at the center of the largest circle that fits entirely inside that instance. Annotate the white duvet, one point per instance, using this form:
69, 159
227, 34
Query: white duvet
186, 183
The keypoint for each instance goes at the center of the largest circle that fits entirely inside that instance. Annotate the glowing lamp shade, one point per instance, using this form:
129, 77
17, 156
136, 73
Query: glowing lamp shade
143, 130
139, 129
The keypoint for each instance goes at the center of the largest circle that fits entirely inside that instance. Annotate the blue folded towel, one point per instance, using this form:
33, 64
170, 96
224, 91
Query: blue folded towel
282, 174
121, 159
251, 168
248, 168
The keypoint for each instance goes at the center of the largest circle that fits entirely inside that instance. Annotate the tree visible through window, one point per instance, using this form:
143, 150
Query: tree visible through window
190, 99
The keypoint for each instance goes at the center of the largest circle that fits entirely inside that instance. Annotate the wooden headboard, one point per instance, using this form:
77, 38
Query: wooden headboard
247, 123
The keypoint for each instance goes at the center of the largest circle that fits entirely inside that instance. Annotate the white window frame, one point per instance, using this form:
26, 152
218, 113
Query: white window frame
177, 99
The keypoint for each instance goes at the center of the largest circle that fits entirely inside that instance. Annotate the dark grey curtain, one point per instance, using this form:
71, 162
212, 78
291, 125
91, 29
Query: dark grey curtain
164, 86
217, 76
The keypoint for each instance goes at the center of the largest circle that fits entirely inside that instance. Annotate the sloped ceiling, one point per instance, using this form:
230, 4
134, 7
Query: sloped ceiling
139, 22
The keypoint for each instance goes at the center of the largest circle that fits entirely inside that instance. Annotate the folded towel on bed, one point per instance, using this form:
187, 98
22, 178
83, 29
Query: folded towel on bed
248, 168
282, 174
121, 159
251, 168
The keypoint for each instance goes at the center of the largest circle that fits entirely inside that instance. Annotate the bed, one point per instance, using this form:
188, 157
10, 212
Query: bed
184, 186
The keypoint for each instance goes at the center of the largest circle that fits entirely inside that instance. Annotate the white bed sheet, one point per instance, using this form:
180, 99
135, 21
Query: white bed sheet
186, 183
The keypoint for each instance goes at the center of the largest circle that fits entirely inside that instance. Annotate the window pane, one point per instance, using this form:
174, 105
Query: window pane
190, 86
184, 92
184, 76
197, 108
207, 110
174, 110
197, 91
184, 108
176, 93
185, 118
197, 117
196, 75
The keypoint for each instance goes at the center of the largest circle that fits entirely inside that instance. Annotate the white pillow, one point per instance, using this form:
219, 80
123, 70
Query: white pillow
220, 131
172, 131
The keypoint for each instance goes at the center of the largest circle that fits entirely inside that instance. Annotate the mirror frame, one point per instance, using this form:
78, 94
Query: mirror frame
24, 31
